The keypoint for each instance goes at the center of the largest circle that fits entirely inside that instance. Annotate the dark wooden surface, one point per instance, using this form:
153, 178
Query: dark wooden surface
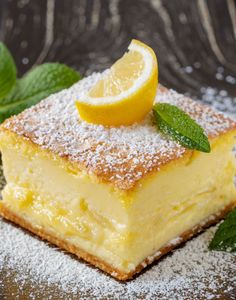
195, 41
90, 34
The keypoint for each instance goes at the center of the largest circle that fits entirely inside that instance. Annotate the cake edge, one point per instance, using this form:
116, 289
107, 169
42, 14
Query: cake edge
7, 214
79, 167
110, 173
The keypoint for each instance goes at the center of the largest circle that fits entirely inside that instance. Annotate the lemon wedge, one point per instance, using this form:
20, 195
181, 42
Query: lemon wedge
126, 93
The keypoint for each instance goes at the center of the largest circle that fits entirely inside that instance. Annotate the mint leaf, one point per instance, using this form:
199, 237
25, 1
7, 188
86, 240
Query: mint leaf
175, 123
7, 71
225, 236
36, 85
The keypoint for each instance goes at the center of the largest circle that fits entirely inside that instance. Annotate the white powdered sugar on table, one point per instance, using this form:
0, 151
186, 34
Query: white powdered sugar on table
192, 272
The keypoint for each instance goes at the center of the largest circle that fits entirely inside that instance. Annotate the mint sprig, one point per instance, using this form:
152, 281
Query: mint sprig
34, 86
7, 71
225, 236
175, 123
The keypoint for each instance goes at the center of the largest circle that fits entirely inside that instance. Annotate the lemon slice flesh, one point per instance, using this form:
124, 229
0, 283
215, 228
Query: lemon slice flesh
126, 93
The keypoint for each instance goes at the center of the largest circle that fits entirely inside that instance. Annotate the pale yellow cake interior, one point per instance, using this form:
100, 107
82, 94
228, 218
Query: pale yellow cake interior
119, 227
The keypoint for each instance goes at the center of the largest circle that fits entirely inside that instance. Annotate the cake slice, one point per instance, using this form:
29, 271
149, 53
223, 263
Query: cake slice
117, 197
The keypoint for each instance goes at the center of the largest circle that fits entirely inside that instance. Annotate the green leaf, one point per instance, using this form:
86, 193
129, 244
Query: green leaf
7, 71
225, 236
36, 85
175, 123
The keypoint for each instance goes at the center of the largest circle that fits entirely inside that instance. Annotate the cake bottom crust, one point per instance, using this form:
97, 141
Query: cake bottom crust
6, 213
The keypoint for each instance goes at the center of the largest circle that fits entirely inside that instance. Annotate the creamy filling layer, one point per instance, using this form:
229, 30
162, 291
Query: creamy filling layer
122, 247
120, 228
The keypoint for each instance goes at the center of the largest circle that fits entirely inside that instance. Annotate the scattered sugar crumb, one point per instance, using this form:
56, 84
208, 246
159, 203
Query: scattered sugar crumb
175, 241
219, 99
191, 272
188, 69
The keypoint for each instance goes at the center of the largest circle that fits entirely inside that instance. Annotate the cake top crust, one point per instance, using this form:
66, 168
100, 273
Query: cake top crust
122, 155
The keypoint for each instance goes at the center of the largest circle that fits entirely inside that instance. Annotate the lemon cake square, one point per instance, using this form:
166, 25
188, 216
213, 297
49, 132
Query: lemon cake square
118, 197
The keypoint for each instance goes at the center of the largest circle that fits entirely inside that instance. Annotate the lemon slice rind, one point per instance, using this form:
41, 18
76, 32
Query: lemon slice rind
147, 70
124, 102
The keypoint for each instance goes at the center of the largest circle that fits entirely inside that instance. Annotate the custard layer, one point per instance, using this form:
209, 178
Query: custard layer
122, 228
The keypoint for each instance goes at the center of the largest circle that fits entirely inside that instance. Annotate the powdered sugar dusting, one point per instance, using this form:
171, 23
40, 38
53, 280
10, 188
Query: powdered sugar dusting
119, 155
212, 121
192, 272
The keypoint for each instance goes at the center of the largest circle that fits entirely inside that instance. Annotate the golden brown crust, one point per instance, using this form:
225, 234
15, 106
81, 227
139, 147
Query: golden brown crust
6, 213
120, 156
